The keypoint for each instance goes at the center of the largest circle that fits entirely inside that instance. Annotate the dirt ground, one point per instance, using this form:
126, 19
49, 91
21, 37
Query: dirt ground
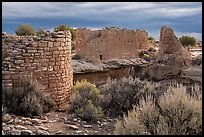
64, 123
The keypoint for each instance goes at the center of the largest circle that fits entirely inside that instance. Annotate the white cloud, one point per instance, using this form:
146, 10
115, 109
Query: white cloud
176, 12
95, 9
144, 15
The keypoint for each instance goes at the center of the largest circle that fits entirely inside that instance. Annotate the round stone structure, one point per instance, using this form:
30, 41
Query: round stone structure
46, 58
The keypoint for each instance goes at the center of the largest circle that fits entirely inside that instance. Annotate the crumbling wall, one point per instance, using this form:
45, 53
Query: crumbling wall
47, 59
172, 57
99, 45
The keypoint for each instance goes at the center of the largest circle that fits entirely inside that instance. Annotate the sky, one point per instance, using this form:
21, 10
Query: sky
184, 17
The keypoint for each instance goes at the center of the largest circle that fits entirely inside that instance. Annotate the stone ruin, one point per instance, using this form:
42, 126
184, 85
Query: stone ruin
47, 59
171, 58
100, 45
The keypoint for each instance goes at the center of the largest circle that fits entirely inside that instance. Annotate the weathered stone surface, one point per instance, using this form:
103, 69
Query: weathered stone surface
15, 132
74, 127
59, 132
100, 45
171, 58
17, 121
36, 121
60, 33
79, 131
28, 122
42, 128
169, 44
42, 132
19, 127
80, 66
3, 132
26, 55
6, 128
87, 126
6, 118
26, 132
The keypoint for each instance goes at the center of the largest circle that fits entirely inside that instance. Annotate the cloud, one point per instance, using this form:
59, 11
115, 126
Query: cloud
68, 9
183, 16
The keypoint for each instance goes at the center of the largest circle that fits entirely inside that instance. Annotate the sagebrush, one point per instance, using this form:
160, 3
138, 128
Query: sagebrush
27, 99
119, 96
84, 101
177, 113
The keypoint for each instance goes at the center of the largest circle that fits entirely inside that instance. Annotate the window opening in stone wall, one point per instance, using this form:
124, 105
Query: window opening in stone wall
101, 57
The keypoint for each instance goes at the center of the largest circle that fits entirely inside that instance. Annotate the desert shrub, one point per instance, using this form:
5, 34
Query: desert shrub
182, 112
187, 41
63, 27
177, 113
84, 101
120, 95
76, 57
112, 27
141, 120
27, 99
41, 31
89, 111
150, 38
147, 57
25, 30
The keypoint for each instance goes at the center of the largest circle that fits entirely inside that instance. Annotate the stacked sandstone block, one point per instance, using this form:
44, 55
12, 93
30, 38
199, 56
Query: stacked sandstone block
46, 58
100, 45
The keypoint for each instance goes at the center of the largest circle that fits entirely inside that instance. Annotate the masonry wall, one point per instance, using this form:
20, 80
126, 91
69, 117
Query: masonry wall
47, 59
101, 45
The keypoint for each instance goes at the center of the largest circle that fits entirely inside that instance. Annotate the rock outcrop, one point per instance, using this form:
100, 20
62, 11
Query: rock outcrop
80, 66
172, 57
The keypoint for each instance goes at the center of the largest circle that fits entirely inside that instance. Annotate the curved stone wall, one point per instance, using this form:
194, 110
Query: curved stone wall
46, 58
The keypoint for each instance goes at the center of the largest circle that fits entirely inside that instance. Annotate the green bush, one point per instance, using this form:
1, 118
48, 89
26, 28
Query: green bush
41, 31
150, 38
27, 99
89, 112
84, 101
120, 95
25, 30
147, 57
177, 113
186, 41
111, 27
63, 27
